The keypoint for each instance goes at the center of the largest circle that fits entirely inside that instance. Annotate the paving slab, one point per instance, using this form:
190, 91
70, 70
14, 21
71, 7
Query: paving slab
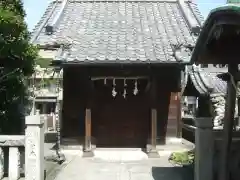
79, 168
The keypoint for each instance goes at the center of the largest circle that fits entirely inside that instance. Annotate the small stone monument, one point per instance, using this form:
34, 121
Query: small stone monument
34, 148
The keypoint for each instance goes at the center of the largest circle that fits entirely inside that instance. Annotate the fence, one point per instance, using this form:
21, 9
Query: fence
24, 155
208, 142
12, 156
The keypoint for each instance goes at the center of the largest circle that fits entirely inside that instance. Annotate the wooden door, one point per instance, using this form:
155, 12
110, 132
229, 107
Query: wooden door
121, 123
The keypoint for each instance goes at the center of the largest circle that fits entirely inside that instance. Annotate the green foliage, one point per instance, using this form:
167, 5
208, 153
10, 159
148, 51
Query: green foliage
15, 6
182, 158
46, 82
17, 57
43, 62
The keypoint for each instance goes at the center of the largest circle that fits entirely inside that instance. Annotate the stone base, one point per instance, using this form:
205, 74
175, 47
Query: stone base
56, 158
61, 158
153, 154
88, 154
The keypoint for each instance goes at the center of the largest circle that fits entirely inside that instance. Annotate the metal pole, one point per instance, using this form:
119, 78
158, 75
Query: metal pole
228, 123
60, 156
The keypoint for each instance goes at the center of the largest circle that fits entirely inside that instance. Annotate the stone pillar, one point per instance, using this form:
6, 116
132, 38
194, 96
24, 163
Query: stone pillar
1, 163
14, 163
44, 108
204, 149
45, 118
37, 111
34, 148
33, 110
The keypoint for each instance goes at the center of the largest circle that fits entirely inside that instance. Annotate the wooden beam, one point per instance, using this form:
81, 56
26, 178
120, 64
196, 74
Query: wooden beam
228, 124
119, 77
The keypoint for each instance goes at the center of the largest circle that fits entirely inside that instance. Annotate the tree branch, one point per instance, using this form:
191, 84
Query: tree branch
8, 74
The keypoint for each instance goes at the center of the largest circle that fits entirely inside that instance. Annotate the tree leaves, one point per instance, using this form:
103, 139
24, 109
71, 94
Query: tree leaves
17, 59
182, 158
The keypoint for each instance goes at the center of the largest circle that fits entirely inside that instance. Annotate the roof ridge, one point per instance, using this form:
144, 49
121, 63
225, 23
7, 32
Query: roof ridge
193, 24
50, 27
43, 23
197, 14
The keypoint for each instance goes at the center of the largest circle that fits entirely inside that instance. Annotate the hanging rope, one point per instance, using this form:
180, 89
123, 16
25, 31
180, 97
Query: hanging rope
125, 89
114, 92
135, 91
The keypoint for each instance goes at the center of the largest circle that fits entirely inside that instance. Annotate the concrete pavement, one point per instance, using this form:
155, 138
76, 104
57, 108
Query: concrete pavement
78, 168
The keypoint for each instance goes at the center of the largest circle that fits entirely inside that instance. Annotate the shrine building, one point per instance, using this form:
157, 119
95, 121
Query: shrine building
122, 66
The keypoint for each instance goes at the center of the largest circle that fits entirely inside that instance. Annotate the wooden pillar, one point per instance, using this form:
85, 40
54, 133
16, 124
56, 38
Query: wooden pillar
153, 135
88, 120
153, 130
88, 128
163, 112
179, 115
228, 124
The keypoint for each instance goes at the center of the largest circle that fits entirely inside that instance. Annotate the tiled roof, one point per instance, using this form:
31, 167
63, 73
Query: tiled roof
233, 1
207, 82
119, 30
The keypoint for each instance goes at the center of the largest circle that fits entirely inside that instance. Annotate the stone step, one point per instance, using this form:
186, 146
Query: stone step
118, 149
122, 156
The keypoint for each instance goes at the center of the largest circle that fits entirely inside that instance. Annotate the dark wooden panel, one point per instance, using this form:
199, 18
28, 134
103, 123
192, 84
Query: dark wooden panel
74, 104
123, 116
119, 122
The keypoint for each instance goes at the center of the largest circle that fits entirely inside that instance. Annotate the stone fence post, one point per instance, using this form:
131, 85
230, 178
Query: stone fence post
34, 148
204, 149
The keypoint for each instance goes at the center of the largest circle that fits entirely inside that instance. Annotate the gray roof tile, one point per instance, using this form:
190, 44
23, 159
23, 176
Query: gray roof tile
206, 81
130, 31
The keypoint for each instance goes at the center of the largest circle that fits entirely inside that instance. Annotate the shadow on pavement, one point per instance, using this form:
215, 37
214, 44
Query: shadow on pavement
172, 173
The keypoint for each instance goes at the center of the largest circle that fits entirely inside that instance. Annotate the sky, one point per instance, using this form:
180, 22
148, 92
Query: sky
36, 8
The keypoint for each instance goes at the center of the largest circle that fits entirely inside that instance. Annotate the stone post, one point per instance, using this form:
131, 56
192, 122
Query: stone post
14, 163
1, 163
45, 119
204, 149
34, 148
44, 108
